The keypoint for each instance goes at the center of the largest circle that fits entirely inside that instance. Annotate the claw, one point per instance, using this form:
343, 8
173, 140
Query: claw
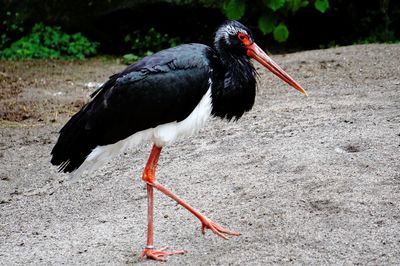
217, 229
159, 254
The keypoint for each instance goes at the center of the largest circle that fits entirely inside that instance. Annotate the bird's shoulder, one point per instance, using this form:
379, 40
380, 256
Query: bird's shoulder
195, 56
181, 56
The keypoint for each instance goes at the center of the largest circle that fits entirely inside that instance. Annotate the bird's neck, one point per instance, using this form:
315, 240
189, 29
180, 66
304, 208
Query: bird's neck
234, 89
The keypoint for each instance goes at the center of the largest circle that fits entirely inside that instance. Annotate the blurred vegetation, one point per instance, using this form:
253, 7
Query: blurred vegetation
49, 43
383, 32
271, 13
137, 28
12, 27
147, 43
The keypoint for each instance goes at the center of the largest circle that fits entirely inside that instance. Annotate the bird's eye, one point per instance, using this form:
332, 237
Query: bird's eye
242, 36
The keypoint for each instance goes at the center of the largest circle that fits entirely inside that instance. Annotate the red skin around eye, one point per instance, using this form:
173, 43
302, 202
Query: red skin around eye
244, 39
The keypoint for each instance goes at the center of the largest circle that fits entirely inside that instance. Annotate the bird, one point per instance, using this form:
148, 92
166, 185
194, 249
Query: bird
160, 99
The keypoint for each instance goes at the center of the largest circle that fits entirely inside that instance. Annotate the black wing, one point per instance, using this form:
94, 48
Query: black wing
159, 89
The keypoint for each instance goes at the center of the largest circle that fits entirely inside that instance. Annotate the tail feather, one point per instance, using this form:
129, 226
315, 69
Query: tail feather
73, 145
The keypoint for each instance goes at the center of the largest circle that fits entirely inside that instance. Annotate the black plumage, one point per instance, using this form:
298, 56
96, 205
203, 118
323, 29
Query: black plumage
142, 96
158, 89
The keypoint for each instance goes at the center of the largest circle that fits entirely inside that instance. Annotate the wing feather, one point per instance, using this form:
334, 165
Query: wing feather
159, 89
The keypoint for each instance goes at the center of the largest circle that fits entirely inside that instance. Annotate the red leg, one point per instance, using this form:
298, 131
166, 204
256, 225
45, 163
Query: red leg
149, 250
149, 178
206, 223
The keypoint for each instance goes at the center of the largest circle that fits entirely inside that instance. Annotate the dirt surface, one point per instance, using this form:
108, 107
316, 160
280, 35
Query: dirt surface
305, 180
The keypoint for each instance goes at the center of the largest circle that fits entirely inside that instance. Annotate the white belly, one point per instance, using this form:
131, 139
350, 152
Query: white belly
161, 135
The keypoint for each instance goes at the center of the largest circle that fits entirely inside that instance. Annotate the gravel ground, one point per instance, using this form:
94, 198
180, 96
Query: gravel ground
305, 180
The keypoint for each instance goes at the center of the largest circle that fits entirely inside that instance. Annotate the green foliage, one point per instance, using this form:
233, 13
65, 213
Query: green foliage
295, 5
331, 44
378, 32
274, 4
272, 13
266, 23
379, 37
130, 58
234, 9
321, 5
281, 33
49, 43
143, 44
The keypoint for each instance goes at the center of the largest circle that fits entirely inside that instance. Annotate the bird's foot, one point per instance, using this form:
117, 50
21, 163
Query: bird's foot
158, 255
217, 229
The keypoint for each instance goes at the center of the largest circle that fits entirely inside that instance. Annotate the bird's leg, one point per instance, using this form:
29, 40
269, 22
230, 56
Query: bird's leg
206, 223
149, 178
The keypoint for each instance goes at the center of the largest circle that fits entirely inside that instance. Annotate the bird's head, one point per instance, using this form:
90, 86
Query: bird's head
236, 39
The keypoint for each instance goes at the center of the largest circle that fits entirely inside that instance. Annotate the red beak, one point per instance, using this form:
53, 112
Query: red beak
258, 54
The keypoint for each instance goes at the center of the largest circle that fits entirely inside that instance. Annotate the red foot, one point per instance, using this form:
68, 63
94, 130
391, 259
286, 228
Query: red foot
217, 229
158, 254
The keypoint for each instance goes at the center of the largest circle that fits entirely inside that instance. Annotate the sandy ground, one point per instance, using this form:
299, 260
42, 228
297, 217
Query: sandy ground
305, 180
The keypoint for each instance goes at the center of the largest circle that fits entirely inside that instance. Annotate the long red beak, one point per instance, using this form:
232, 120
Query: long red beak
258, 54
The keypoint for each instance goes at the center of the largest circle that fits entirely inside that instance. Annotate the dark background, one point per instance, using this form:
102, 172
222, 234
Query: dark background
109, 21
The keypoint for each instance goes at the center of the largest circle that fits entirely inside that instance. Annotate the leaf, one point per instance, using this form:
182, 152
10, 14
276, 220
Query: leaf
266, 23
321, 5
130, 58
281, 33
304, 3
234, 9
274, 4
295, 5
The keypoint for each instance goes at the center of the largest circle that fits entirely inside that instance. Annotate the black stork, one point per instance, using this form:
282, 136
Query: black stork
162, 98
